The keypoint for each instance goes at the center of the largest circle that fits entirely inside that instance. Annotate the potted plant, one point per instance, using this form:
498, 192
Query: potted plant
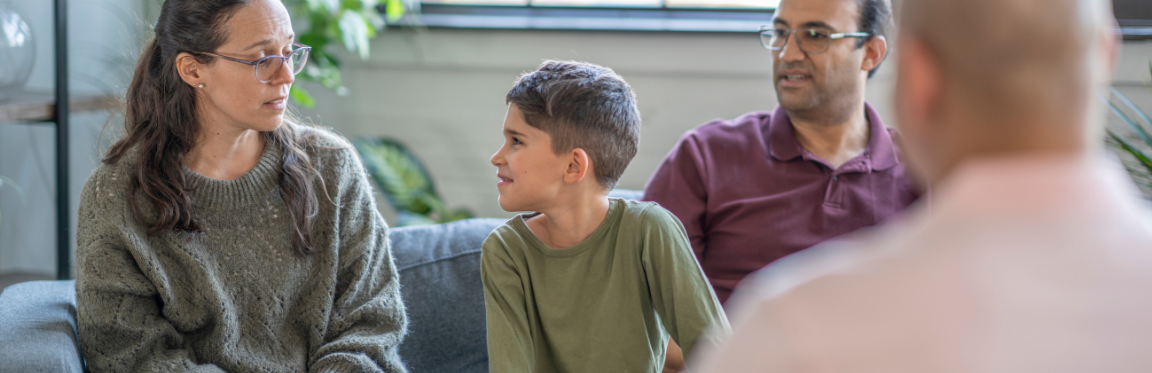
351, 23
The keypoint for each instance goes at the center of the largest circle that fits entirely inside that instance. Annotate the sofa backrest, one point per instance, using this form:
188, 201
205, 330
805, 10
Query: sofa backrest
440, 282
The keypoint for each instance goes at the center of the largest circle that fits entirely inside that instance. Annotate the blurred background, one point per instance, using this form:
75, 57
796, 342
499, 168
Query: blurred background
429, 78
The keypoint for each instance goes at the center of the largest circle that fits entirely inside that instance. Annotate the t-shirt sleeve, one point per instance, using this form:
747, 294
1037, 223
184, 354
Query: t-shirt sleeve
681, 294
678, 185
510, 345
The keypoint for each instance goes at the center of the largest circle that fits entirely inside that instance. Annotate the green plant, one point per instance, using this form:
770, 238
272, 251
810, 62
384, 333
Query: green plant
405, 183
349, 22
4, 181
1141, 171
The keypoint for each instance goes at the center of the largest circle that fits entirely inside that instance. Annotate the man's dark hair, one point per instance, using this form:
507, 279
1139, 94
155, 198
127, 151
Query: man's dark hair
586, 106
876, 20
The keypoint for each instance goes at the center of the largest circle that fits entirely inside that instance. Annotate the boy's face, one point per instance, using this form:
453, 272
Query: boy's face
531, 174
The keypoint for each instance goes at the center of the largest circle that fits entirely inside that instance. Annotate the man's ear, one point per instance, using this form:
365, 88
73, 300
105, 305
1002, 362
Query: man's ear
579, 165
190, 70
874, 52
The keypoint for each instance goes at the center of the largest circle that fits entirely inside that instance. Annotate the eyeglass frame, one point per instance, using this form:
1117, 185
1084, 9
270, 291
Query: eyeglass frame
256, 63
831, 36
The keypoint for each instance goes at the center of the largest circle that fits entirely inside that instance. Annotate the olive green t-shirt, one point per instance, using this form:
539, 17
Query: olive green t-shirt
607, 304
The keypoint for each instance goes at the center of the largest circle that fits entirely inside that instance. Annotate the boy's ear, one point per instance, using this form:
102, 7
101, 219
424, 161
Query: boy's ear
579, 164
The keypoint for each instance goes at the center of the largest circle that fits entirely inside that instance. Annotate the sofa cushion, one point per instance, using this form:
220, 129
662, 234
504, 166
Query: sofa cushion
440, 282
39, 328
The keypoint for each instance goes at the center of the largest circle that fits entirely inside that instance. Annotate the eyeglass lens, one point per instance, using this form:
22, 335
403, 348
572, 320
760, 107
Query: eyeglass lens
812, 41
267, 68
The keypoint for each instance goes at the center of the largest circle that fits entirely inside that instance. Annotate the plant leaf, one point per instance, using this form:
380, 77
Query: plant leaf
394, 9
1132, 106
354, 32
300, 96
1144, 159
1124, 117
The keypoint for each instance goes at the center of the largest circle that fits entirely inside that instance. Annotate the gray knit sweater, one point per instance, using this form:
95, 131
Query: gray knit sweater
238, 298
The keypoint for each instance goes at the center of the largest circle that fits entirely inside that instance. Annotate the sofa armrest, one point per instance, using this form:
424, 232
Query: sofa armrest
38, 328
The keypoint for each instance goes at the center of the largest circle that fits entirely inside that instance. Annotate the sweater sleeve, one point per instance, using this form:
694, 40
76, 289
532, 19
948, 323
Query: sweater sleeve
367, 322
680, 293
678, 185
118, 310
510, 346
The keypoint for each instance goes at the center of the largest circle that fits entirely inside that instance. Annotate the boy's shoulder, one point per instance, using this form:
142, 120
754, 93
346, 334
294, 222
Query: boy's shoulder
647, 215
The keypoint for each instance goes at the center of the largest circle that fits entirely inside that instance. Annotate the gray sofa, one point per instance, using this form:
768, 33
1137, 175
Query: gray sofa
439, 277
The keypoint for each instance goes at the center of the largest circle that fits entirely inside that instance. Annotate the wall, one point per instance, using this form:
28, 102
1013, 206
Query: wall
442, 92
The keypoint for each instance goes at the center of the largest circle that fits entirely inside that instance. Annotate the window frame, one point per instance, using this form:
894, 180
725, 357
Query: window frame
598, 18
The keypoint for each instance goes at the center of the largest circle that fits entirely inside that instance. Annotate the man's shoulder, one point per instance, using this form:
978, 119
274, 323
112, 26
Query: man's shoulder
729, 132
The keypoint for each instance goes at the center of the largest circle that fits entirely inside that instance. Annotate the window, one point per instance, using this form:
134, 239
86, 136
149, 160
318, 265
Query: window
638, 15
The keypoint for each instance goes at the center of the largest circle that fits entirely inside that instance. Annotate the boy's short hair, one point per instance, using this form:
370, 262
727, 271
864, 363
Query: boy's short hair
586, 106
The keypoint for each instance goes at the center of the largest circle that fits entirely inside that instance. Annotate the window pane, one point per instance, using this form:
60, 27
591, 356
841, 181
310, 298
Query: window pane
477, 2
755, 4
599, 3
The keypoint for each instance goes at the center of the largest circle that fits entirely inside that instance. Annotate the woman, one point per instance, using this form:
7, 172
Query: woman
219, 236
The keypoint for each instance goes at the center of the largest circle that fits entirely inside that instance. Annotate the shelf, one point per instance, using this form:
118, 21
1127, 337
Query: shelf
41, 106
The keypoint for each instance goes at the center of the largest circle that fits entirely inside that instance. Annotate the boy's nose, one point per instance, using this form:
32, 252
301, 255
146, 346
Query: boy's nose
497, 158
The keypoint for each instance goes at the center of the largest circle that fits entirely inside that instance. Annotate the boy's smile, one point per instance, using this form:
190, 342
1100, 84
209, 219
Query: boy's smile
530, 173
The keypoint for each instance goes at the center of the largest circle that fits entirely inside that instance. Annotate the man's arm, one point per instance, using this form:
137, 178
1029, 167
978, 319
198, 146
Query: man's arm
510, 345
678, 186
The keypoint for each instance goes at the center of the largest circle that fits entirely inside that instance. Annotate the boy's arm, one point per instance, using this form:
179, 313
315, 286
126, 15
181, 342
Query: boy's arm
678, 185
680, 293
510, 347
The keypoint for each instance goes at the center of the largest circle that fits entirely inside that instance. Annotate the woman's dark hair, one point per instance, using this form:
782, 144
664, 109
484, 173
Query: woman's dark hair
161, 125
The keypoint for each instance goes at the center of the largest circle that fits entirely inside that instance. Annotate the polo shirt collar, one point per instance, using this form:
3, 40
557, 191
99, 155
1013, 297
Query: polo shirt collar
781, 137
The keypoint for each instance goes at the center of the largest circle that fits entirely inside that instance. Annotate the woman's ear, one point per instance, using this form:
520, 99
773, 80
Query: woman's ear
579, 165
189, 69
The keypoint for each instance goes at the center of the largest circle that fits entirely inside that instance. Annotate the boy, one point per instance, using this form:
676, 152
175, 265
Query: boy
586, 283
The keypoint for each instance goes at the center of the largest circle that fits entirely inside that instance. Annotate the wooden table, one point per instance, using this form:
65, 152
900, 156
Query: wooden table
41, 106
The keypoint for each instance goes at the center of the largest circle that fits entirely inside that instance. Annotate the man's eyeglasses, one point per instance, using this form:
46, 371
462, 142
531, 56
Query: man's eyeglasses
268, 67
809, 40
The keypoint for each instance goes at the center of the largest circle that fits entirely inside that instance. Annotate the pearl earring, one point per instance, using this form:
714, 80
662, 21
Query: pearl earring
201, 85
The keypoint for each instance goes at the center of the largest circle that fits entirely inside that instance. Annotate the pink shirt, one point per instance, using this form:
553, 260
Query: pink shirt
748, 193
1028, 264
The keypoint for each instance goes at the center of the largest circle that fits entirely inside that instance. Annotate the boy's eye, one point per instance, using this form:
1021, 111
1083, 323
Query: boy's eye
516, 141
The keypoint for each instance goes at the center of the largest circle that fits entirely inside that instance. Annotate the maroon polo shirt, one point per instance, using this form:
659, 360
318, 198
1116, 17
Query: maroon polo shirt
748, 193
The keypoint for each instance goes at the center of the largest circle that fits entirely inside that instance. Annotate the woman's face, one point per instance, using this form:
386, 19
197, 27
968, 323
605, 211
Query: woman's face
232, 98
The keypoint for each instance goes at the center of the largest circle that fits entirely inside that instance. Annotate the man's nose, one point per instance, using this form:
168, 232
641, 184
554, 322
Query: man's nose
791, 50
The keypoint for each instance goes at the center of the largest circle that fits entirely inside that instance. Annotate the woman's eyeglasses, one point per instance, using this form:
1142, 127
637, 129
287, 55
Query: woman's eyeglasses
267, 67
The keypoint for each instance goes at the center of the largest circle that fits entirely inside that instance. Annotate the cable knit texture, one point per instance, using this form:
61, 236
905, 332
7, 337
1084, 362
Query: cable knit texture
238, 298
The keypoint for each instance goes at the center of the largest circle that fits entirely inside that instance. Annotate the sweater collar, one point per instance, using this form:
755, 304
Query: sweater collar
253, 186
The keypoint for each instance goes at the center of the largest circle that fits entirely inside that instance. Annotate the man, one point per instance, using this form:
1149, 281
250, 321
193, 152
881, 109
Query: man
1036, 254
765, 185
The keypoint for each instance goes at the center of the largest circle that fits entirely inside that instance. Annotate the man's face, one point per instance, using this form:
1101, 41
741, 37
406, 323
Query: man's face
807, 81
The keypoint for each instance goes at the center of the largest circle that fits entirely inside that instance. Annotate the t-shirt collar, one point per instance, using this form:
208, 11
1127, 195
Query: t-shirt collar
781, 137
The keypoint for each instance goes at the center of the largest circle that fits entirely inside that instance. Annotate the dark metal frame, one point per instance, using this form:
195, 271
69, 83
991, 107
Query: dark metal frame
63, 186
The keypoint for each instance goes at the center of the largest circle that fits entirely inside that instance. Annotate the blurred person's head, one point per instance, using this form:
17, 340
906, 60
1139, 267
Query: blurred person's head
987, 78
570, 126
184, 90
812, 81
